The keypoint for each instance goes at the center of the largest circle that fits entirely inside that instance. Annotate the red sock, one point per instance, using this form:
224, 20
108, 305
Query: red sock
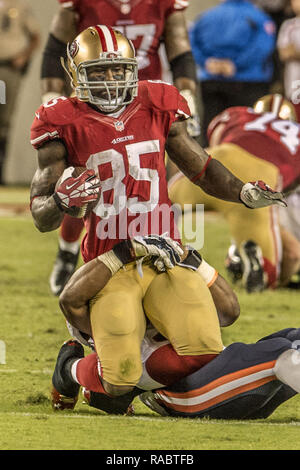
88, 375
166, 366
71, 228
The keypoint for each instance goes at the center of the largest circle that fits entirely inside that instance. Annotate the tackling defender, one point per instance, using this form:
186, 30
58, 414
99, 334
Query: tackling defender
245, 381
89, 280
119, 129
263, 140
146, 24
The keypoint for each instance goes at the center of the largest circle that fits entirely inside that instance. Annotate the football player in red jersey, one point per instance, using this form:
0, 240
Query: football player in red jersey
118, 128
264, 140
146, 23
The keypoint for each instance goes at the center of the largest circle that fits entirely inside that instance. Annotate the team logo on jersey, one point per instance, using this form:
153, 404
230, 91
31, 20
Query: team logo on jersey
122, 139
119, 125
73, 49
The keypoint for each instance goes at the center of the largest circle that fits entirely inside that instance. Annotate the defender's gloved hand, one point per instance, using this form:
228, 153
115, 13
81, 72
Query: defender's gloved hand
258, 194
164, 252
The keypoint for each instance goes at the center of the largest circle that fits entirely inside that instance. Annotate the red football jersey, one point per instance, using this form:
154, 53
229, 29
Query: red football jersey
142, 21
264, 135
127, 152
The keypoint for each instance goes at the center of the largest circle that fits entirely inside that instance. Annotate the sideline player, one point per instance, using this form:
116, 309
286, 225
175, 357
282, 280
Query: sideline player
146, 24
119, 130
263, 140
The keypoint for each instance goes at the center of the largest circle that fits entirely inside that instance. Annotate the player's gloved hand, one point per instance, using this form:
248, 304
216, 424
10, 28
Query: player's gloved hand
164, 251
76, 192
193, 123
258, 194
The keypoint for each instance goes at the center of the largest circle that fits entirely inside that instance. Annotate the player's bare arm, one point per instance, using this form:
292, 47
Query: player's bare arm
192, 159
62, 31
84, 284
183, 67
177, 44
51, 164
213, 177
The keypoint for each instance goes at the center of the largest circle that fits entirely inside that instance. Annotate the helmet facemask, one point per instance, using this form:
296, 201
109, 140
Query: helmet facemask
116, 92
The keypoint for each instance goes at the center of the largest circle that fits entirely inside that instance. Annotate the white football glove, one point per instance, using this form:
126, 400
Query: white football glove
258, 194
164, 252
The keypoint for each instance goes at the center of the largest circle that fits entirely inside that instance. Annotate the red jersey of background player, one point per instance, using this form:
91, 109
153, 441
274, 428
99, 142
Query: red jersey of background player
264, 135
127, 151
141, 21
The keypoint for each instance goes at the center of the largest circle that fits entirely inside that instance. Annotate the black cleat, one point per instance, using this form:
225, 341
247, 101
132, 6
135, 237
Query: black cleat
149, 399
253, 273
64, 394
234, 264
64, 266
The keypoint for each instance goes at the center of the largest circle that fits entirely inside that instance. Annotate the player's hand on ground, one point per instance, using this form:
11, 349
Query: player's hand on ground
76, 191
258, 194
165, 252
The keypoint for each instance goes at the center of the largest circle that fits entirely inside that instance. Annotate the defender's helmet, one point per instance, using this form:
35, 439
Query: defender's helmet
276, 104
98, 46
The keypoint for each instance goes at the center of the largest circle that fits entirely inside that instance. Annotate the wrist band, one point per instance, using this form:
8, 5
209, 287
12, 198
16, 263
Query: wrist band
196, 177
111, 261
208, 273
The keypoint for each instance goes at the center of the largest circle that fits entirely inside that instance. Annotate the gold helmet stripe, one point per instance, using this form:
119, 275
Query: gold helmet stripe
107, 38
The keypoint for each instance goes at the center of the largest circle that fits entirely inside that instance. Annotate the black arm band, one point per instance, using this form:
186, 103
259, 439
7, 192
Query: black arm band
184, 66
124, 251
51, 66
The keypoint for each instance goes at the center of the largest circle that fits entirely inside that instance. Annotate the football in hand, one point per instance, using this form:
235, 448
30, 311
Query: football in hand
79, 212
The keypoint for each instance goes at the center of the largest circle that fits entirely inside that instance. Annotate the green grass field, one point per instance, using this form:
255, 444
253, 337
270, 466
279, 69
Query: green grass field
33, 329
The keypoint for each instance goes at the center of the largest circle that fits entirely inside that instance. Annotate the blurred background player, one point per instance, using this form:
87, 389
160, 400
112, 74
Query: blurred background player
266, 141
149, 25
232, 44
20, 37
288, 45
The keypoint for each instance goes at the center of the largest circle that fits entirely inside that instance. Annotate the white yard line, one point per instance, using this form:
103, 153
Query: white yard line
143, 418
